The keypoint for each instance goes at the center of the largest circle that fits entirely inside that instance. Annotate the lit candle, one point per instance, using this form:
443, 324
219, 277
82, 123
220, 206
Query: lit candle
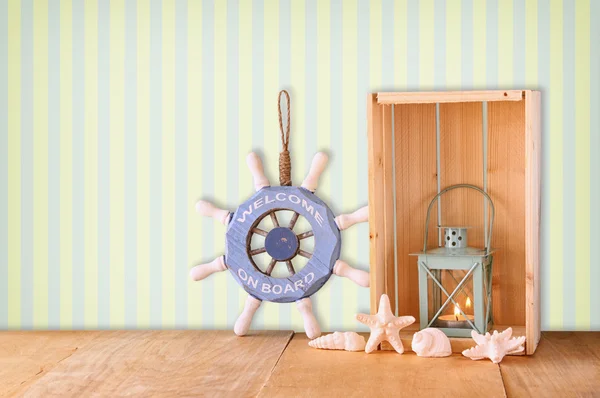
457, 320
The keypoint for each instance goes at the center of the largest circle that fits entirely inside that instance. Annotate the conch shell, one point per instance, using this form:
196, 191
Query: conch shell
431, 343
494, 346
348, 341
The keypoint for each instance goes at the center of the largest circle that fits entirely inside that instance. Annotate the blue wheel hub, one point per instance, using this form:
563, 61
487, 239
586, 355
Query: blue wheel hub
281, 243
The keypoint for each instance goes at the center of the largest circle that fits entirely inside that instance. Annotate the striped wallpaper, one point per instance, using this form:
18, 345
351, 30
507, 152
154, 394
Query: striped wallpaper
116, 116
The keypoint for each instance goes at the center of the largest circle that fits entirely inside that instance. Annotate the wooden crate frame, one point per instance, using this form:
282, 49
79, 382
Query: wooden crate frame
411, 158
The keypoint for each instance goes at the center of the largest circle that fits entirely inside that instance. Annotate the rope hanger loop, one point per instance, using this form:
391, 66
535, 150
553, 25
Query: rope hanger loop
285, 164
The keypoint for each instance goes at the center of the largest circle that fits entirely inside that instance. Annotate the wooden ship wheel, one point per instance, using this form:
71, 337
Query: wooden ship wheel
282, 244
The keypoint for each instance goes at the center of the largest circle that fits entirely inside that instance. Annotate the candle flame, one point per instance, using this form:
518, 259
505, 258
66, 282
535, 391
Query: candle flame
456, 311
468, 303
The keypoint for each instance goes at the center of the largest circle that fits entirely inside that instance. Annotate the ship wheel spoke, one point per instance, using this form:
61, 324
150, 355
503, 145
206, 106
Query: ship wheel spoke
274, 219
290, 267
258, 251
305, 235
293, 220
259, 231
304, 254
271, 266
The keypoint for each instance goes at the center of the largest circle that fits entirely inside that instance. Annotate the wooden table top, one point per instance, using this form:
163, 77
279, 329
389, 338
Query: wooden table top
267, 364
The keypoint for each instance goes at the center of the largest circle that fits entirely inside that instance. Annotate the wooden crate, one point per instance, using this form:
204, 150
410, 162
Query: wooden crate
487, 138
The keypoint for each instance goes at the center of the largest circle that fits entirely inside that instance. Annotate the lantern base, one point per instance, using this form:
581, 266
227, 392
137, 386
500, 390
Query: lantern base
452, 324
461, 329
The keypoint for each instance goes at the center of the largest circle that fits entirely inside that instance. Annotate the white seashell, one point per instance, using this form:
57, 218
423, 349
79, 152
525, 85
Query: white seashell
494, 346
431, 343
348, 341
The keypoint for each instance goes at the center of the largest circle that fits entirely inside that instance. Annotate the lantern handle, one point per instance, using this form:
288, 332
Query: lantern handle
450, 188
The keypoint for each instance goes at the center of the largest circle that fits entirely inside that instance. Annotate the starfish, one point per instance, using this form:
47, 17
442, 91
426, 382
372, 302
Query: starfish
494, 346
384, 326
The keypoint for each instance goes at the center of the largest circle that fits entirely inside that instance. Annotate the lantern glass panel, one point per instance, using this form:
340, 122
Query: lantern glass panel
450, 315
464, 278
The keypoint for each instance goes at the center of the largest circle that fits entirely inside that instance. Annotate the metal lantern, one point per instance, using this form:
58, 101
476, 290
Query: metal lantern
455, 280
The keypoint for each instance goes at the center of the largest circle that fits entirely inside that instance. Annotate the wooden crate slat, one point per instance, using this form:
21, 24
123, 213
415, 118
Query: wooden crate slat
506, 186
388, 202
416, 184
448, 96
533, 137
376, 200
461, 159
461, 162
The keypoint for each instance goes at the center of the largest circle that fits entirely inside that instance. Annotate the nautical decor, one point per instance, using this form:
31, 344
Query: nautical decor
495, 346
349, 341
385, 326
431, 343
258, 230
455, 280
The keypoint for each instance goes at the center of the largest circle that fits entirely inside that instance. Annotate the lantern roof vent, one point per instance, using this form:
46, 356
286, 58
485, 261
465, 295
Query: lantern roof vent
454, 238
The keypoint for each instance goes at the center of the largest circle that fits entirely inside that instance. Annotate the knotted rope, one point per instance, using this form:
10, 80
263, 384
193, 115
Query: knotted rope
285, 165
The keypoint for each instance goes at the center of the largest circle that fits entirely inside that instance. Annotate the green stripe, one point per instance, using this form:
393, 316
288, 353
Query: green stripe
78, 153
130, 163
4, 227
182, 207
155, 167
569, 175
54, 164
103, 165
27, 164
595, 165
208, 174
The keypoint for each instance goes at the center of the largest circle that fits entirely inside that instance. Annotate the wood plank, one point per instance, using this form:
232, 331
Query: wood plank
566, 364
506, 186
376, 200
305, 371
458, 344
590, 339
461, 162
388, 204
416, 185
27, 356
533, 155
433, 97
166, 363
